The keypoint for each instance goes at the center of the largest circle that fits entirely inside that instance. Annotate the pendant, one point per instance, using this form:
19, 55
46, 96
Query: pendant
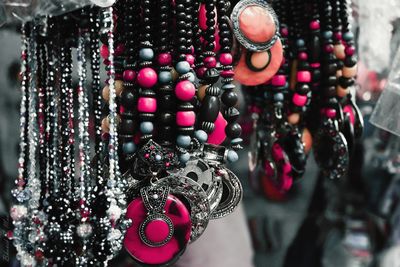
331, 150
161, 226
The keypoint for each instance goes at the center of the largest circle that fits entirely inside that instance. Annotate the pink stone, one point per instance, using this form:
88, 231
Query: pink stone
278, 80
299, 100
210, 62
104, 53
350, 50
330, 113
147, 104
185, 90
314, 25
157, 231
304, 76
129, 75
190, 59
303, 56
226, 59
164, 59
218, 135
257, 24
185, 118
147, 77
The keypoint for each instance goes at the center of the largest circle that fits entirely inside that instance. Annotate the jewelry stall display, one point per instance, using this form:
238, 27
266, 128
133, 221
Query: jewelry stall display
308, 102
147, 170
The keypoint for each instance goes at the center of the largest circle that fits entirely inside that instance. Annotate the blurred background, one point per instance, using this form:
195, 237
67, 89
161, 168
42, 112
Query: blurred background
351, 223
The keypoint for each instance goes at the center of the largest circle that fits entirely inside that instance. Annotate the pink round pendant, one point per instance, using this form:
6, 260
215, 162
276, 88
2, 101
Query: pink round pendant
160, 237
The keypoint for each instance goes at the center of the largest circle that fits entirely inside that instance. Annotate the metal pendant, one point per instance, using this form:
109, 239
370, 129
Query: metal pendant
195, 196
200, 172
232, 194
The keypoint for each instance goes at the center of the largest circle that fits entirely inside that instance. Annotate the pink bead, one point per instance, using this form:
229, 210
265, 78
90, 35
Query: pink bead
338, 35
227, 73
284, 32
303, 56
350, 50
185, 90
315, 65
201, 71
330, 113
210, 62
104, 53
278, 80
299, 100
129, 75
190, 59
226, 59
164, 59
304, 76
329, 48
147, 77
314, 25
185, 118
121, 109
218, 135
147, 104
119, 50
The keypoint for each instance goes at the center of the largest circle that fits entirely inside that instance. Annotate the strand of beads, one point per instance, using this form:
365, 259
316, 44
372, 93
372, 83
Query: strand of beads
229, 97
184, 88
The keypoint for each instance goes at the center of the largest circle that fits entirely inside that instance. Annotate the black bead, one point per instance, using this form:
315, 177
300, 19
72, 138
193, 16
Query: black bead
233, 130
229, 98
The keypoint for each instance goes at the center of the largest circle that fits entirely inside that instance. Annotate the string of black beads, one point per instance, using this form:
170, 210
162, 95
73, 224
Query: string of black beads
314, 45
229, 97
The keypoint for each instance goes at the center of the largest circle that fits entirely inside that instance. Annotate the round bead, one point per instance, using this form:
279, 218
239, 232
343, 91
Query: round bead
119, 87
348, 36
278, 97
183, 158
303, 56
349, 72
232, 156
210, 62
299, 100
129, 148
147, 104
350, 50
185, 90
233, 130
129, 75
164, 59
226, 59
158, 157
147, 77
314, 25
201, 135
183, 140
300, 43
185, 118
182, 67
146, 54
294, 118
165, 77
190, 59
230, 98
104, 51
330, 113
146, 127
106, 93
327, 34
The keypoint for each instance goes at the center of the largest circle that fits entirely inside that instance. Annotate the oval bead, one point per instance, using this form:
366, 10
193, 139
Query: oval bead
209, 108
147, 104
185, 118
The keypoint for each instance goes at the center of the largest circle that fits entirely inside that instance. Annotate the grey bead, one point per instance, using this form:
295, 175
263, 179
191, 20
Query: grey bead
146, 127
228, 86
182, 67
201, 135
278, 97
348, 36
191, 77
327, 34
300, 43
158, 157
232, 156
184, 158
165, 77
183, 140
146, 53
129, 148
